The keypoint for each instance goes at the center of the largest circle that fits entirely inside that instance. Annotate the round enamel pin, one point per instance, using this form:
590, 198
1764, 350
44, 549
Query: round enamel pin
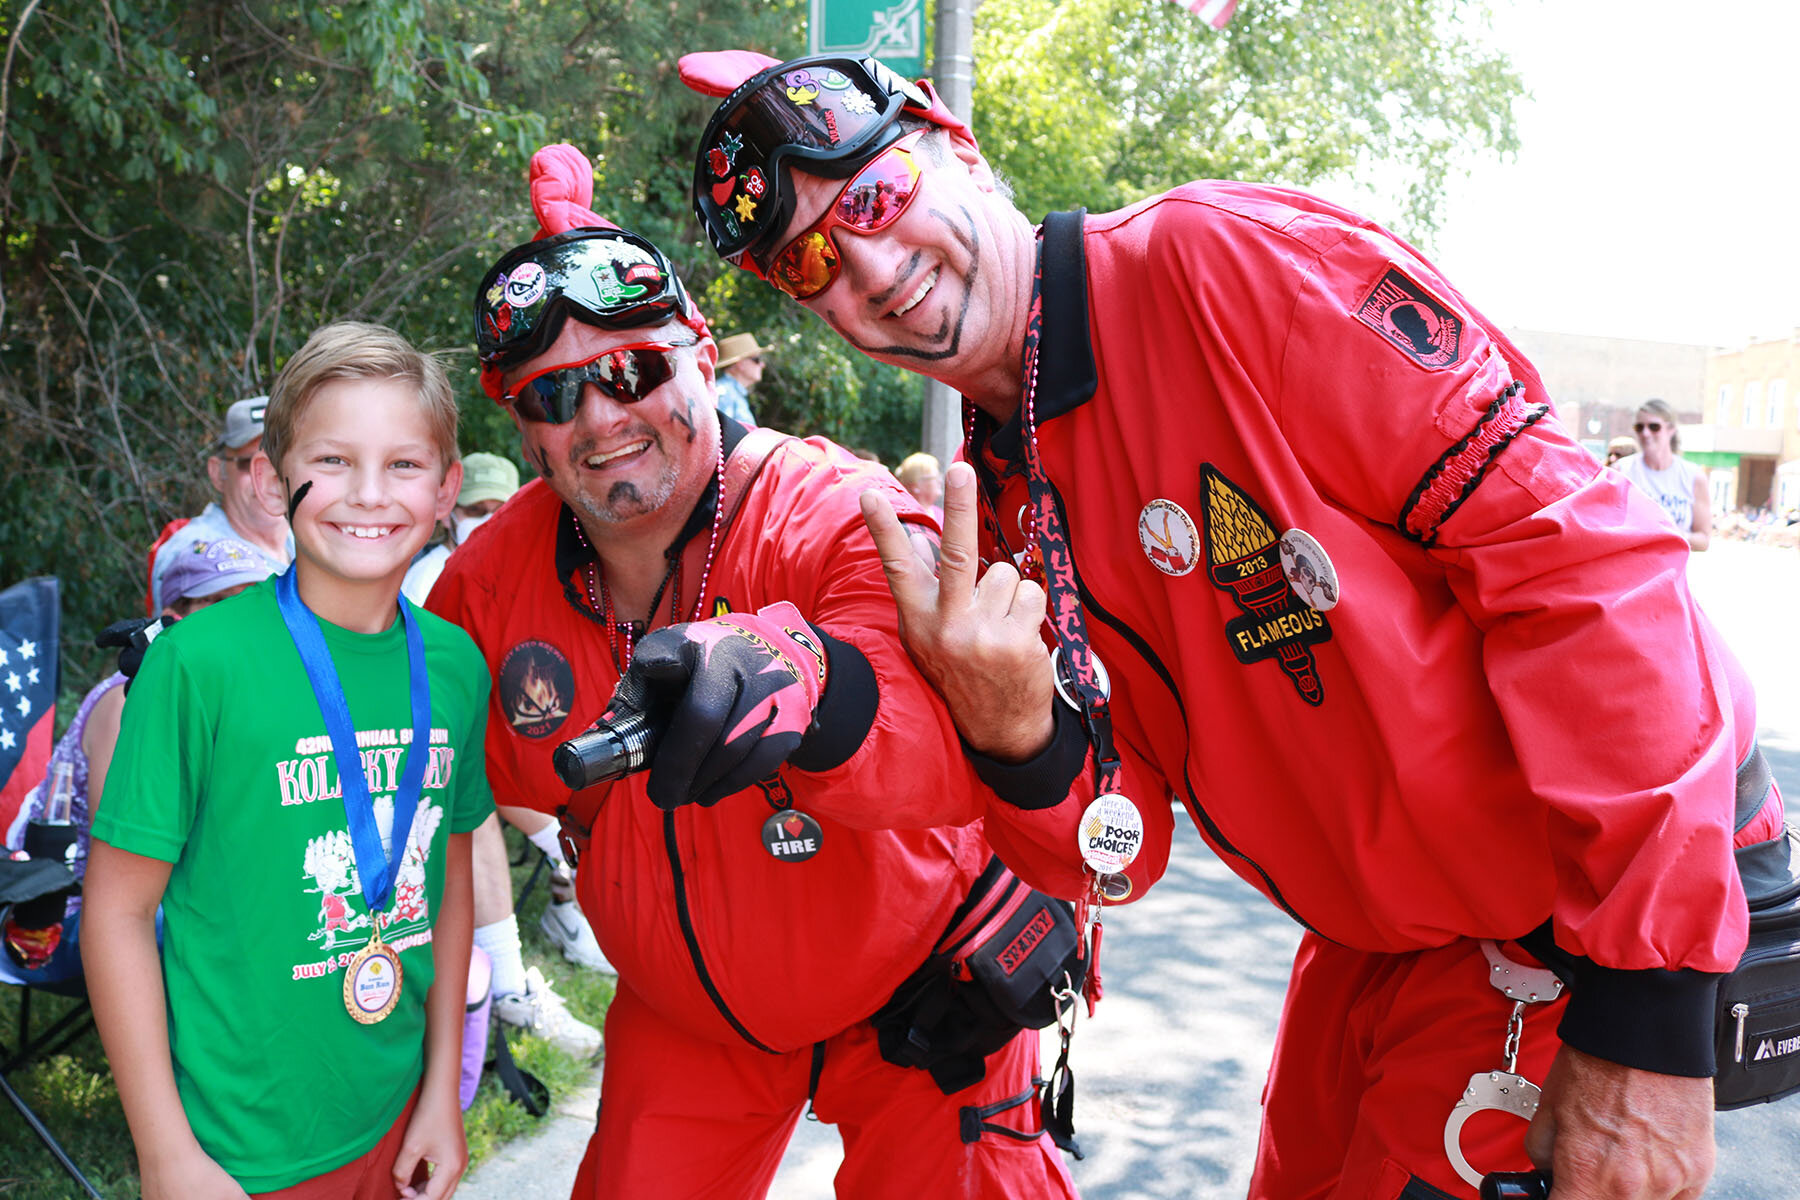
1168, 537
526, 284
791, 836
1308, 570
1110, 834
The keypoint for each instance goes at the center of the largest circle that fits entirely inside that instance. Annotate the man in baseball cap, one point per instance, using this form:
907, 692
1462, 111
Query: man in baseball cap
236, 513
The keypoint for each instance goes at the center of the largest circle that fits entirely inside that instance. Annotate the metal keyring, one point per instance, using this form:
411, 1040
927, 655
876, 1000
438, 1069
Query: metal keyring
1064, 689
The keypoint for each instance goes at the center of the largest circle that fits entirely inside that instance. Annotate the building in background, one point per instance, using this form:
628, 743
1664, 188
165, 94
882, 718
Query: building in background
1750, 432
1597, 383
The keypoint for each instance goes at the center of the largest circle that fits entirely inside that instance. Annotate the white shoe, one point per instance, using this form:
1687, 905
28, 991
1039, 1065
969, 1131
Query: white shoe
540, 1011
565, 925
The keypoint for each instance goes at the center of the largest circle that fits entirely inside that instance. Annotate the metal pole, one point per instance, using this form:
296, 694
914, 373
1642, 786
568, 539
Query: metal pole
953, 73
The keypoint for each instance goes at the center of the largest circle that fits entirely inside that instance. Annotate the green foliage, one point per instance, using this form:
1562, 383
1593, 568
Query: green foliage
1103, 102
189, 187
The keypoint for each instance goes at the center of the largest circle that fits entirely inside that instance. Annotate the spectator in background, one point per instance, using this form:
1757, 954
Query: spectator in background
202, 574
488, 480
235, 514
919, 474
740, 369
1677, 485
523, 998
1620, 447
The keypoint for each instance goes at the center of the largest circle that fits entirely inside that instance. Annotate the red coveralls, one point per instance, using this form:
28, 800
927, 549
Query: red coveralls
734, 965
1514, 717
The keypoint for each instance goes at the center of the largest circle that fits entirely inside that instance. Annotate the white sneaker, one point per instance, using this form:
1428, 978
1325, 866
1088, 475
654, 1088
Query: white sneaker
540, 1011
565, 925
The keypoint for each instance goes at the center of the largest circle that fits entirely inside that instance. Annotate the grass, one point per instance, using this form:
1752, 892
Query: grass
73, 1092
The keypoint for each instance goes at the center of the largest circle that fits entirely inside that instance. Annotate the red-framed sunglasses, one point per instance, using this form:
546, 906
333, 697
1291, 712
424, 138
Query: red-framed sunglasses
872, 200
626, 373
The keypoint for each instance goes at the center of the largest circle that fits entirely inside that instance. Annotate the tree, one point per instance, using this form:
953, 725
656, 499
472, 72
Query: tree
189, 187
1103, 102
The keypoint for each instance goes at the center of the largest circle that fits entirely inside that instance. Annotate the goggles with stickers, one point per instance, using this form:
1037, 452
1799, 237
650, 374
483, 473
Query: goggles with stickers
625, 373
609, 278
827, 115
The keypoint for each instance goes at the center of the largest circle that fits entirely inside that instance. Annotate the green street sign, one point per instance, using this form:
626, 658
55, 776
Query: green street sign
891, 30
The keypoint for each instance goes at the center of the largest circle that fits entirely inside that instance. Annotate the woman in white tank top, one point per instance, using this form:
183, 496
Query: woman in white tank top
1677, 485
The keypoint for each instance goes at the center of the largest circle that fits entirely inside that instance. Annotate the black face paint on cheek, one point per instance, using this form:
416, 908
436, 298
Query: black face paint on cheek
296, 498
543, 463
688, 422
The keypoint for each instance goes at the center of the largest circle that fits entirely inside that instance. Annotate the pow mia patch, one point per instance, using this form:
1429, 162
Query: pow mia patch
1414, 321
537, 689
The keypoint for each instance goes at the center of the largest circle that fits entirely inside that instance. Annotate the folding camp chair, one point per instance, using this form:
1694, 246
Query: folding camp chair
21, 882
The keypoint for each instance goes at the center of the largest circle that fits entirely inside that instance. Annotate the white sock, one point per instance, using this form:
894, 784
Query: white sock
545, 839
501, 942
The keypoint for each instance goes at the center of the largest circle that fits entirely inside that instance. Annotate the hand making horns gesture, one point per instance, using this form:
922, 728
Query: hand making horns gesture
976, 640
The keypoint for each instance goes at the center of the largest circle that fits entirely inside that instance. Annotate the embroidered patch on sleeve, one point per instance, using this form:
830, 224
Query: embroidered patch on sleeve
1415, 322
1245, 557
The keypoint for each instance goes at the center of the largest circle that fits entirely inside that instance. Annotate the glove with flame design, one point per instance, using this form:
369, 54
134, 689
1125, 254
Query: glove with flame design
736, 696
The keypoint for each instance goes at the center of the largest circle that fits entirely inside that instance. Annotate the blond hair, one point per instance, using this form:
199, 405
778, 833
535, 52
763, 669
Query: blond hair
1657, 407
915, 467
358, 350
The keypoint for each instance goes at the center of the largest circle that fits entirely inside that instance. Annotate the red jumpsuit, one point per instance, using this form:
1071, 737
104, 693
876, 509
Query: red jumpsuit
1514, 718
733, 965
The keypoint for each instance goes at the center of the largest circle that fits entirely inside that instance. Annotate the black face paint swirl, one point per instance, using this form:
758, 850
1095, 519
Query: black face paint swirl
543, 464
295, 499
688, 421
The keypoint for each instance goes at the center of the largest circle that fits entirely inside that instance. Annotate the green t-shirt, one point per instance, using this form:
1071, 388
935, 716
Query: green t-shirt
224, 769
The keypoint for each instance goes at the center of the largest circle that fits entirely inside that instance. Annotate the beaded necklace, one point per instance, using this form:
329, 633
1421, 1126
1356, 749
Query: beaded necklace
625, 632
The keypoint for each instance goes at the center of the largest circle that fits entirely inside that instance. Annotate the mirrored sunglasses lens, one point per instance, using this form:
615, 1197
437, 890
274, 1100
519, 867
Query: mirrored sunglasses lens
806, 267
880, 193
554, 397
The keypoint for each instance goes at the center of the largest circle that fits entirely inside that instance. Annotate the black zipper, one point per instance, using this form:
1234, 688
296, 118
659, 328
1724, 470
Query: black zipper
693, 942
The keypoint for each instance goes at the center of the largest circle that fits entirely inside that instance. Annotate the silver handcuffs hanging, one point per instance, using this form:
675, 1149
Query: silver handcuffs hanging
1504, 1090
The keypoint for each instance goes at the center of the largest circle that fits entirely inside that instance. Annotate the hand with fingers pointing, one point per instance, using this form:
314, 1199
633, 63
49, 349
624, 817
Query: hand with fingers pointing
976, 636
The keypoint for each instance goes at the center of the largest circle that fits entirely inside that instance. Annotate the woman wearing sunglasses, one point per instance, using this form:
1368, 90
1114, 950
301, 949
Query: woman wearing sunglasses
1677, 485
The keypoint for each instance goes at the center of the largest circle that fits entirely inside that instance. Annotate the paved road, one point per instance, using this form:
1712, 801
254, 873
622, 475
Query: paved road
1171, 1070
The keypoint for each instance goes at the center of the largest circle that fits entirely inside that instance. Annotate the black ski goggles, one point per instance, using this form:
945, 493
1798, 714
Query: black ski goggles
625, 373
826, 114
610, 278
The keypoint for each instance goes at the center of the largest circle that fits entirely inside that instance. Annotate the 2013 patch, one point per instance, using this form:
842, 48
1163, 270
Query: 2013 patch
1413, 321
537, 689
1244, 554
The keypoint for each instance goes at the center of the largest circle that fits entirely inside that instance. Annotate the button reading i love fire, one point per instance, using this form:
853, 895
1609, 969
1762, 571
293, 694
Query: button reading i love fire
791, 836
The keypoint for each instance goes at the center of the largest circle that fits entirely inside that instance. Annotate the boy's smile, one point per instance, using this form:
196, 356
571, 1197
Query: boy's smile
378, 488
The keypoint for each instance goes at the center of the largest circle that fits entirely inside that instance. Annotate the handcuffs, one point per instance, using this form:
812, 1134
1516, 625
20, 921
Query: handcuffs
1503, 1090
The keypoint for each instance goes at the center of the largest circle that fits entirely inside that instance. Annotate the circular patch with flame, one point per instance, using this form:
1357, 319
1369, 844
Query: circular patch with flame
1168, 537
537, 688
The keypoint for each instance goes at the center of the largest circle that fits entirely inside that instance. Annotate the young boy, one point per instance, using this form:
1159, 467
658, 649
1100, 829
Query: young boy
297, 774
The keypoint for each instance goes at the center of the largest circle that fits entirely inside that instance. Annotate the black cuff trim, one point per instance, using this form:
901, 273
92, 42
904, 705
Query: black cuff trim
1654, 1020
846, 709
1044, 781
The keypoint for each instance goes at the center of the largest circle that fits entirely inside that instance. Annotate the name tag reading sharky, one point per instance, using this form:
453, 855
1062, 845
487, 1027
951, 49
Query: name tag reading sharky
1110, 834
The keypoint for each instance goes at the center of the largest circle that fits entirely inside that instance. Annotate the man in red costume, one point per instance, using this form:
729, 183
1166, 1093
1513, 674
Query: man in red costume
752, 889
1490, 734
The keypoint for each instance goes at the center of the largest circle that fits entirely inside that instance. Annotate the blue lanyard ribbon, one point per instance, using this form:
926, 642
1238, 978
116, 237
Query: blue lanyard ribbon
377, 872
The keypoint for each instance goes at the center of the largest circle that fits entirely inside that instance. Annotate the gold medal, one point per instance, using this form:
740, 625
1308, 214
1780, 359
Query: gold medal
372, 980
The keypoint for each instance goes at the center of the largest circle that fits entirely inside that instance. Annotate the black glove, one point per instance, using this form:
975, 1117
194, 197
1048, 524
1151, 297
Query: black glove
132, 636
733, 696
